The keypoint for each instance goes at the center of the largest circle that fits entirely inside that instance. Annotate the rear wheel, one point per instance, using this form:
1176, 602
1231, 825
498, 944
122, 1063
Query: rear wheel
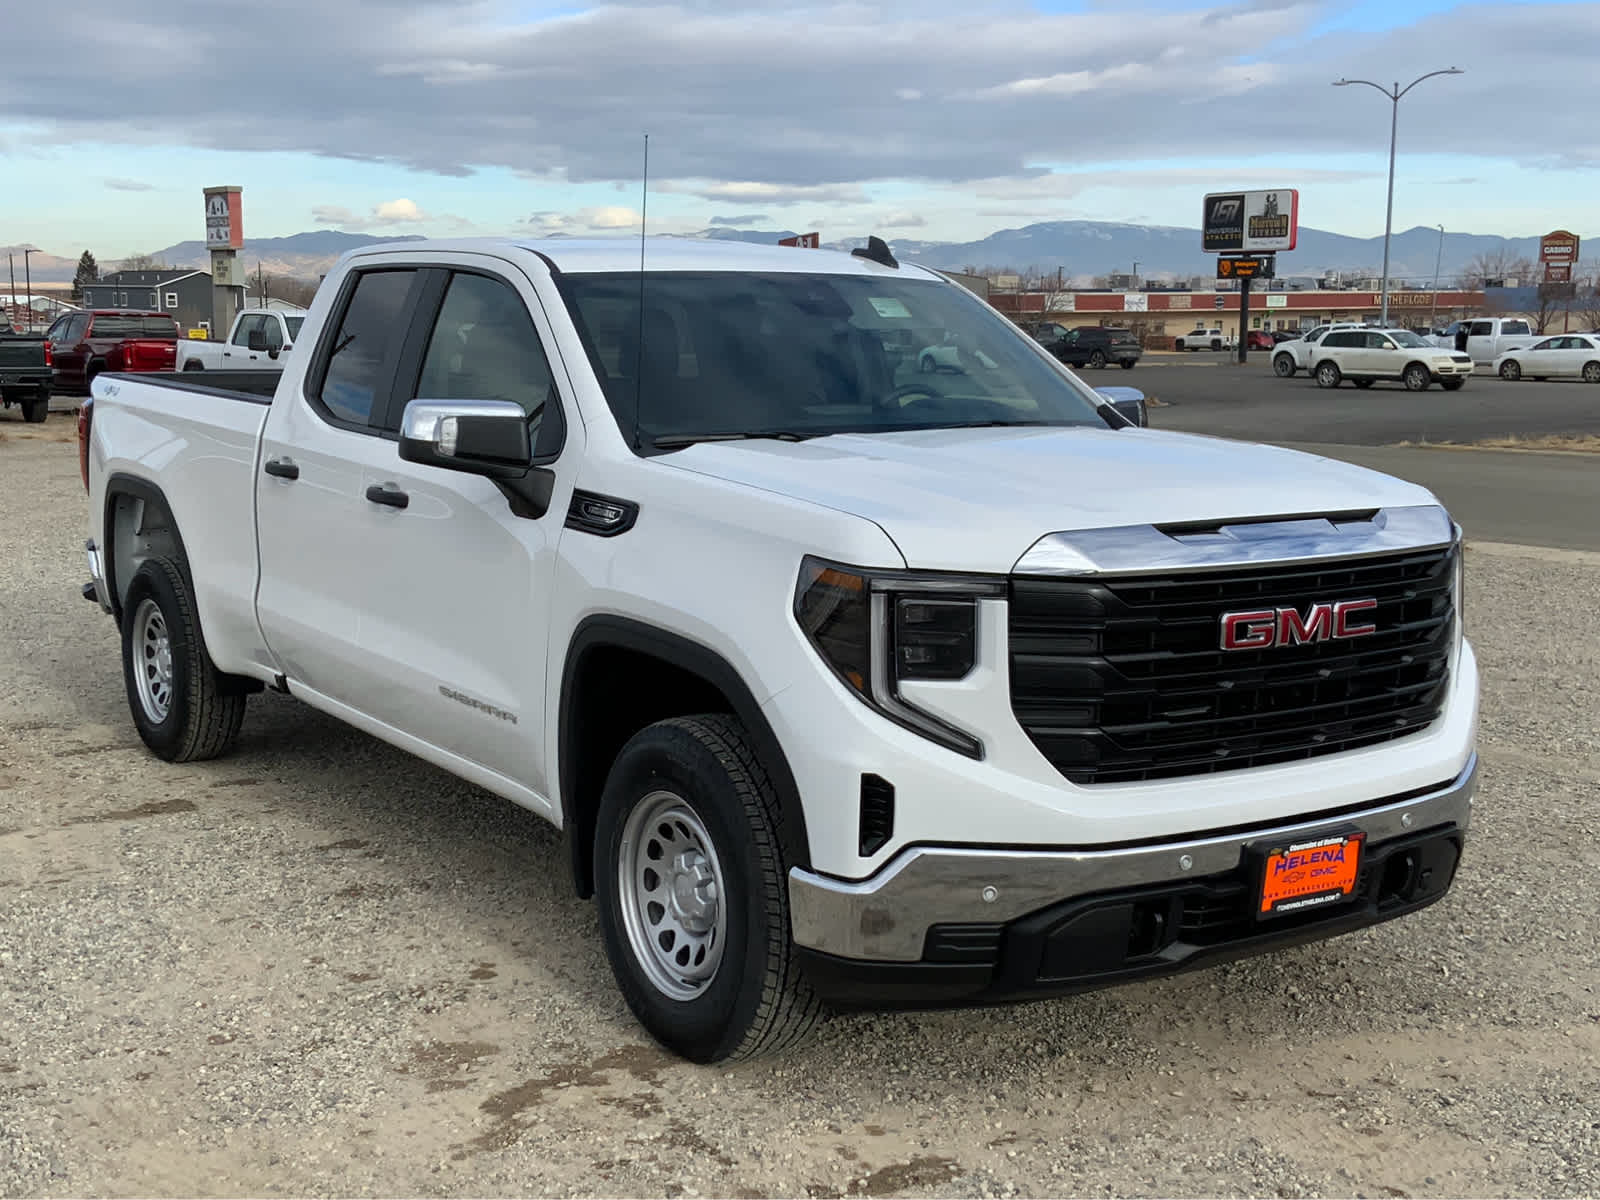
691, 879
1178, 345
182, 706
1328, 375
1283, 365
1416, 377
1591, 372
194, 364
1511, 369
37, 407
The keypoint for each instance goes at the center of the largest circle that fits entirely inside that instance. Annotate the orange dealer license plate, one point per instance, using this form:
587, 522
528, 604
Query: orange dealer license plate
1309, 874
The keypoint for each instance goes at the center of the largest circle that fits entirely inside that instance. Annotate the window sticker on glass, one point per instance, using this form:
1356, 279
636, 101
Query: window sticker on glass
889, 306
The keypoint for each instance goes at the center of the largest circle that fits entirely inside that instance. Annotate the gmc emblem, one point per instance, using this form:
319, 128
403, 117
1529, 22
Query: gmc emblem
1264, 628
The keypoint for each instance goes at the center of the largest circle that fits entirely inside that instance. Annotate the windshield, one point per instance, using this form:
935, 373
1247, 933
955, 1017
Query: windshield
729, 353
1408, 339
293, 324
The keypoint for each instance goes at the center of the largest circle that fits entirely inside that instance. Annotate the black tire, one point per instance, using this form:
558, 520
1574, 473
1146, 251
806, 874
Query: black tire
1126, 364
1416, 377
1283, 365
1216, 344
36, 409
1178, 344
756, 1001
1511, 370
1591, 372
194, 364
1328, 374
1097, 360
1362, 383
1452, 385
205, 708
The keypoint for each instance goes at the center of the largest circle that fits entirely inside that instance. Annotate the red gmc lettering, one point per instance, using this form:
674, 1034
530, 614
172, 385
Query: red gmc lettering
1317, 626
1263, 628
1248, 630
1341, 618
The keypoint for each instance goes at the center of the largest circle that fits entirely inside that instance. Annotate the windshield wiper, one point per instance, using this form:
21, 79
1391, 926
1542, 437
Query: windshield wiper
676, 441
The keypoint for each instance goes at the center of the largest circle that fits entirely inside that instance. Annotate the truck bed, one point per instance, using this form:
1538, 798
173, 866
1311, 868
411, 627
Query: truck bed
253, 387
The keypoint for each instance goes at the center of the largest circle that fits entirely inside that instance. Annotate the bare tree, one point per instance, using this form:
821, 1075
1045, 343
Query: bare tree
1496, 265
142, 262
1587, 305
295, 291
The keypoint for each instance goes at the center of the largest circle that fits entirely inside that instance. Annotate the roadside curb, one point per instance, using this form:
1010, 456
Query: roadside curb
1491, 449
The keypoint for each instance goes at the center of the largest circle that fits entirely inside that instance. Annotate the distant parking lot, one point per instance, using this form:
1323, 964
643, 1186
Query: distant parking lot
1209, 394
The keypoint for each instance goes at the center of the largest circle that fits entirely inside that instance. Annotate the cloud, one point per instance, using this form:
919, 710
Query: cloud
903, 220
130, 185
741, 219
751, 104
398, 210
770, 193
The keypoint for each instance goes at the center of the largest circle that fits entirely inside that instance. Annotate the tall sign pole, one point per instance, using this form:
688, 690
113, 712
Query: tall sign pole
224, 238
1246, 230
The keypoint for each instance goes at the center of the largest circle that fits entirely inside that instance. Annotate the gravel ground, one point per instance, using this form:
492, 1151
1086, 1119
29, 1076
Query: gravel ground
322, 967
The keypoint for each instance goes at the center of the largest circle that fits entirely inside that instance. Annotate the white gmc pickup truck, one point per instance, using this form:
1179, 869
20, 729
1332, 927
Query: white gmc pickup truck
849, 685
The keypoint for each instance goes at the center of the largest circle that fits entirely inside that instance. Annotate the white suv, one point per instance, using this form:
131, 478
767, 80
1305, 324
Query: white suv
1364, 356
1295, 354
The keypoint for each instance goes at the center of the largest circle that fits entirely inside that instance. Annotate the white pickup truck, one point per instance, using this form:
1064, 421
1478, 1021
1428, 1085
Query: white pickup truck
849, 685
258, 341
1485, 338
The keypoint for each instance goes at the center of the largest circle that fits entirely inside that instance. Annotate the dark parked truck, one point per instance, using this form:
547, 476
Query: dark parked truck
25, 374
87, 344
849, 683
1092, 346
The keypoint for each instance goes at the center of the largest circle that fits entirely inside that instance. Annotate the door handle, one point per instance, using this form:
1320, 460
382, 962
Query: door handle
387, 493
283, 468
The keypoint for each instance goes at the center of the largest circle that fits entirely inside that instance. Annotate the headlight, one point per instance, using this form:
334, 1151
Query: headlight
879, 629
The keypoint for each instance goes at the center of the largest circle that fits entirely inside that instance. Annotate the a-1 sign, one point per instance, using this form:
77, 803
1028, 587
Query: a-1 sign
810, 241
1263, 221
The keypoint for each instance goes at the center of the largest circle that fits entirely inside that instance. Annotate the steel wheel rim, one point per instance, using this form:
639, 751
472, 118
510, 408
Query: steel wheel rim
673, 897
152, 661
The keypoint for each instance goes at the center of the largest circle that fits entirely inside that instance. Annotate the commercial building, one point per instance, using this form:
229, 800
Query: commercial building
1170, 314
184, 293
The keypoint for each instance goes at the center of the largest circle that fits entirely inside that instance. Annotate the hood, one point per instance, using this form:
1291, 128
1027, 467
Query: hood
977, 499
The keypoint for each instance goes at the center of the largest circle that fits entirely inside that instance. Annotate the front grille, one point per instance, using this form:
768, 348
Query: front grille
1118, 680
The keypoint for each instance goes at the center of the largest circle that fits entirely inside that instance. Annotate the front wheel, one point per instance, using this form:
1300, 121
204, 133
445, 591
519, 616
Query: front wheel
1416, 377
1283, 366
183, 708
690, 874
1328, 375
1511, 369
1215, 344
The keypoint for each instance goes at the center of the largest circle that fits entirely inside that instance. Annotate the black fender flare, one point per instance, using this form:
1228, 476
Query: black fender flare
120, 483
609, 631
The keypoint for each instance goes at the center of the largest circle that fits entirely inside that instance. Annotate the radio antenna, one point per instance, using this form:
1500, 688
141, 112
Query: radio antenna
638, 350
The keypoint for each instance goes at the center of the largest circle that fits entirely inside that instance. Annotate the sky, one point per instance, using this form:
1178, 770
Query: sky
930, 119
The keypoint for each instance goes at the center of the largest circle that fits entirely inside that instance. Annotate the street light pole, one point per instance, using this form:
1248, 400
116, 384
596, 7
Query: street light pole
1394, 96
1433, 315
28, 282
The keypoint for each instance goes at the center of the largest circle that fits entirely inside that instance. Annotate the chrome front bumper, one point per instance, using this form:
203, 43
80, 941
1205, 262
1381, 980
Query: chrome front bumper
886, 918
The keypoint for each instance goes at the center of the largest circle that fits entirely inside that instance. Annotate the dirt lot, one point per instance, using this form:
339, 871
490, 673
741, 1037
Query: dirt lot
322, 967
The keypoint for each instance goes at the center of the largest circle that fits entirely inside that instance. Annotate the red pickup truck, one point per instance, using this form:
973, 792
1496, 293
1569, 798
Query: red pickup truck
83, 344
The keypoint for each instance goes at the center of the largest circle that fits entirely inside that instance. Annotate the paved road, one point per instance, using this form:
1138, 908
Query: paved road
1498, 496
1207, 394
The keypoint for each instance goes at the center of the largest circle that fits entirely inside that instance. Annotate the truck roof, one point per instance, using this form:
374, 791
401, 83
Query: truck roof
663, 252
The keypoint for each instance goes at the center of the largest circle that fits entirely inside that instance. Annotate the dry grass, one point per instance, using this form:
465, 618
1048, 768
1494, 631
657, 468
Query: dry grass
1569, 443
61, 427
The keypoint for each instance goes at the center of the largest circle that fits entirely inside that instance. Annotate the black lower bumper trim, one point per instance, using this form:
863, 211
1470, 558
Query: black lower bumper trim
1101, 941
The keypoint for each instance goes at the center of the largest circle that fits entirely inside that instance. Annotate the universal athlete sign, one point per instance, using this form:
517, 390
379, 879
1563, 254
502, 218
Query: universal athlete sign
1253, 222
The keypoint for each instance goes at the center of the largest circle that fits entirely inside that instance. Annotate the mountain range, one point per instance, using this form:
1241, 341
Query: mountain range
1081, 250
